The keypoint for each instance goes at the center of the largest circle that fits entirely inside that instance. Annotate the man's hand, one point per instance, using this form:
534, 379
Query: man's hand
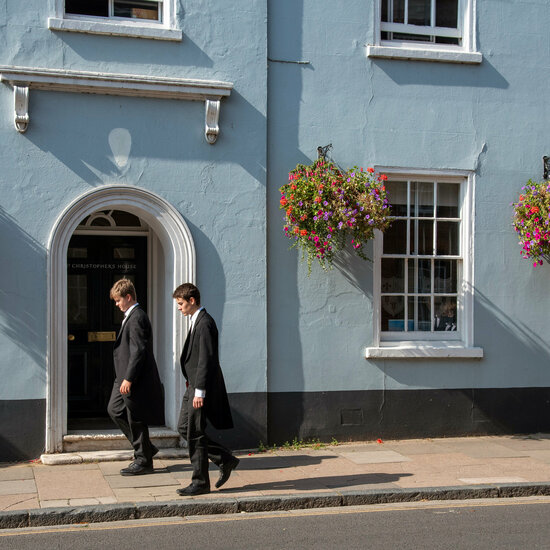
125, 387
198, 402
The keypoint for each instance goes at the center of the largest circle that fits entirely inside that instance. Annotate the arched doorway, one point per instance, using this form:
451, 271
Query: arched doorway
170, 261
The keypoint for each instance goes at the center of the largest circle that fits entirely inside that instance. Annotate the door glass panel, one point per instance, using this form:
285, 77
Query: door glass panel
77, 299
124, 253
77, 252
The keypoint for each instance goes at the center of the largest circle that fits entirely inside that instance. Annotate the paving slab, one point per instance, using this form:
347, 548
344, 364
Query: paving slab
17, 487
19, 502
150, 480
375, 457
16, 473
62, 484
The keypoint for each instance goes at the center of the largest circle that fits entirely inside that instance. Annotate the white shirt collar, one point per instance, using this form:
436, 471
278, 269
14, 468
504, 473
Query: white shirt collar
127, 312
194, 317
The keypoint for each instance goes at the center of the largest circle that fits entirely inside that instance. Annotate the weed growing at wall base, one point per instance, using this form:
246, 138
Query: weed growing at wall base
326, 208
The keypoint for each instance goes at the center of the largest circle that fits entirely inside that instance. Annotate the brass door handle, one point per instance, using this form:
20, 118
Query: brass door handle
71, 337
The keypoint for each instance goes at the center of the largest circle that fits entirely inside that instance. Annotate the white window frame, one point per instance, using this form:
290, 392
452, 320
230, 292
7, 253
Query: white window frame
459, 344
166, 29
427, 51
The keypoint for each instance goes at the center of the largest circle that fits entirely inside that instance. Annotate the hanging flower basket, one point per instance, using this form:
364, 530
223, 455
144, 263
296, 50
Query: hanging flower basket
532, 221
325, 208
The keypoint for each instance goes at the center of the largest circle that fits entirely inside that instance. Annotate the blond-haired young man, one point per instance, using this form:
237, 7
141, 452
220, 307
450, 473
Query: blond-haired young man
137, 397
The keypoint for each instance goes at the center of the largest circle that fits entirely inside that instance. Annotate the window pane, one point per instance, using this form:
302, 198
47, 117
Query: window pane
422, 237
87, 7
447, 200
77, 252
395, 238
422, 199
415, 37
77, 299
419, 314
125, 219
445, 314
124, 253
385, 10
393, 312
398, 11
393, 275
136, 10
447, 238
446, 13
397, 195
420, 276
419, 12
445, 276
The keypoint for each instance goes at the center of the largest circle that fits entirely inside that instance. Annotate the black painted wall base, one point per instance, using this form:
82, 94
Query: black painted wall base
22, 429
407, 414
346, 416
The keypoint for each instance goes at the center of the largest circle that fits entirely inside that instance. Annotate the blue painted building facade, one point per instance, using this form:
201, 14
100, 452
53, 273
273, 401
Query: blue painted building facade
173, 124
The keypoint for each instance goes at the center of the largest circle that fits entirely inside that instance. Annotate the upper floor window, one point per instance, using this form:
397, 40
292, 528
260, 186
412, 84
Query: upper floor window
126, 9
133, 18
430, 30
433, 21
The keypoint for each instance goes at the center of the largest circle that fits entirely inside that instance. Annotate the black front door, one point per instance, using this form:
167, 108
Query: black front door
94, 263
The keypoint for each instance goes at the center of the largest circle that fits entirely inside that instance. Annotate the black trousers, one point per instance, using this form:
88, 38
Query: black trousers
135, 429
192, 427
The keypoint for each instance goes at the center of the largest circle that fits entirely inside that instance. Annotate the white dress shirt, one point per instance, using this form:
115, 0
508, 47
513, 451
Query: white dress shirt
198, 392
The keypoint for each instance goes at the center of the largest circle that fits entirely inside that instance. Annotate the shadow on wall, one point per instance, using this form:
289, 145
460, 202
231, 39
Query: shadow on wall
443, 74
22, 285
76, 129
358, 272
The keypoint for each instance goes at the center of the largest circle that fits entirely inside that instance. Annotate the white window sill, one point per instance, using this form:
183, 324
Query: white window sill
424, 350
154, 32
424, 54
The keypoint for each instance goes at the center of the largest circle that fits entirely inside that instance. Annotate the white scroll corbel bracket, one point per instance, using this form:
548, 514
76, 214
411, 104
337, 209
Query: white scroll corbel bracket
212, 115
21, 104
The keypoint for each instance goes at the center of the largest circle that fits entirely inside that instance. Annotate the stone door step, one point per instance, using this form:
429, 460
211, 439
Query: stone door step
114, 440
106, 456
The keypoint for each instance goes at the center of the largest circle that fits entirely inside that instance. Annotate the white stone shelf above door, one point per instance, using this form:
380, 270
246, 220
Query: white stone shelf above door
23, 79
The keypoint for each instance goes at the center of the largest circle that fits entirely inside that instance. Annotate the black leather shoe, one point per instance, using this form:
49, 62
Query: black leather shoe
193, 490
225, 471
136, 469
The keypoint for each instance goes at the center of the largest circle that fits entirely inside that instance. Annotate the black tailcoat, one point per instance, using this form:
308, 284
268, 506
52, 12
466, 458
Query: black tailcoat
200, 366
135, 362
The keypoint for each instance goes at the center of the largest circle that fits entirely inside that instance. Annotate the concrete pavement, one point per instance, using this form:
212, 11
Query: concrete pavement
284, 478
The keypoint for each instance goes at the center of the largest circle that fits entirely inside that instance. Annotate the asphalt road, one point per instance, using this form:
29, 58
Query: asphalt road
487, 524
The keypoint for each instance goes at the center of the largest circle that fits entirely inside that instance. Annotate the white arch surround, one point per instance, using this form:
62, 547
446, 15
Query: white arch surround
179, 266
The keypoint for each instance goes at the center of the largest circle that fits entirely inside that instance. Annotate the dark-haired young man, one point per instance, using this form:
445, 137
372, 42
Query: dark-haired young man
137, 396
205, 396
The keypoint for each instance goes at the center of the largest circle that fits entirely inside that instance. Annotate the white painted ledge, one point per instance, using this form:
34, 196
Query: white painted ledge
22, 79
133, 30
424, 351
424, 54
